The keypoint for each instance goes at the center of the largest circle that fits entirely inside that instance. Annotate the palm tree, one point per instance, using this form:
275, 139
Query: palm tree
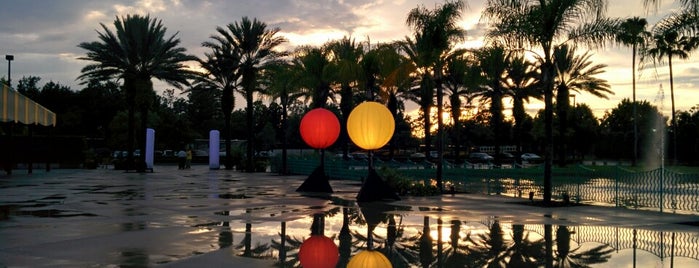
633, 32
422, 90
522, 82
281, 83
313, 67
393, 77
669, 44
136, 52
346, 58
574, 73
683, 21
436, 31
461, 77
256, 46
222, 73
542, 24
493, 62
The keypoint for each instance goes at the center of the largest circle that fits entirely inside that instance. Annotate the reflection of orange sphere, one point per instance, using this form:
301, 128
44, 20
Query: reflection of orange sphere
319, 128
370, 125
318, 251
369, 259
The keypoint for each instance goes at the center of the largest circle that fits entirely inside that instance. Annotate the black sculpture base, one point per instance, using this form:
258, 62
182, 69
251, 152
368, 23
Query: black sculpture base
318, 182
375, 189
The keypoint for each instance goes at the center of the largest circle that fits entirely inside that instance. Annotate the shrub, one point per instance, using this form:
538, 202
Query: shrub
406, 186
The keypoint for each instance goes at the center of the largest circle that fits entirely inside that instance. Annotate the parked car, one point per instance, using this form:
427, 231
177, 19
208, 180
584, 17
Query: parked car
359, 156
417, 157
530, 157
480, 157
505, 158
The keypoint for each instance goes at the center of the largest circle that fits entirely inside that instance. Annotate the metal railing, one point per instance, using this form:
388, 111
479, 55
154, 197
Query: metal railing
659, 189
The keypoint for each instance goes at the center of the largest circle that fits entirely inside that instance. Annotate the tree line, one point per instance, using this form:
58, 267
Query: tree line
534, 50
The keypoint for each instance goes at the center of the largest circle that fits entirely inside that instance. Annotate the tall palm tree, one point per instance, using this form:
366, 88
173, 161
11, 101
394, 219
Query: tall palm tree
257, 47
313, 66
136, 52
222, 73
436, 32
522, 83
669, 44
281, 82
541, 25
493, 62
632, 32
346, 58
461, 77
574, 73
393, 77
422, 90
684, 21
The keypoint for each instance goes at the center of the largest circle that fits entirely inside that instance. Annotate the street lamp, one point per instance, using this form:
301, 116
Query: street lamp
573, 96
9, 59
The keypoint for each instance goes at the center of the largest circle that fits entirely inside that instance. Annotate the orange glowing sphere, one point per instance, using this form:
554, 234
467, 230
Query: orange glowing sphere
319, 128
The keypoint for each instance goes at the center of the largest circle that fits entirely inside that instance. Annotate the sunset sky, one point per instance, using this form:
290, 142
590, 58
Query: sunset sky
43, 36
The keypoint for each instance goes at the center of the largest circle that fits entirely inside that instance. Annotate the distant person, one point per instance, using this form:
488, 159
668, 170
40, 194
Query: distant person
181, 159
188, 160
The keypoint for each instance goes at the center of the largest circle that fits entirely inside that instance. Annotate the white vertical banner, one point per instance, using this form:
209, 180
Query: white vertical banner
150, 147
214, 137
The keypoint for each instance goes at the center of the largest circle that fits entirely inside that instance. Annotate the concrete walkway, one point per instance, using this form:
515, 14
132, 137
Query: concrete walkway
179, 218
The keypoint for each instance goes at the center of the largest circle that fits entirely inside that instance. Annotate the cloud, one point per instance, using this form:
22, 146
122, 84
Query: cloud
43, 35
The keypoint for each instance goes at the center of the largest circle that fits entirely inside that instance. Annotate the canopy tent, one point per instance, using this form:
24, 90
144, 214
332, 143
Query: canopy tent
15, 107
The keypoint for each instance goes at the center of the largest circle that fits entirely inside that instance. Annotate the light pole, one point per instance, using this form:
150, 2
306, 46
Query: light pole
9, 59
573, 96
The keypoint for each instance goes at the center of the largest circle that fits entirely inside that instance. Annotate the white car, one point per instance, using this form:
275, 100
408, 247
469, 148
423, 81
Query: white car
480, 157
530, 157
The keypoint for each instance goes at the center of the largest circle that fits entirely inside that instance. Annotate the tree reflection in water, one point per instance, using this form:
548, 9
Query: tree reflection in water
407, 244
565, 257
260, 250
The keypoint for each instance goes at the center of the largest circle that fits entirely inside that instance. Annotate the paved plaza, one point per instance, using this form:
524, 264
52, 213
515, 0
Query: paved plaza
171, 217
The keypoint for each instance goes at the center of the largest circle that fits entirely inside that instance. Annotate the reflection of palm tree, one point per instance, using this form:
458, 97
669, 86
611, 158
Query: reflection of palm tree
456, 253
345, 237
246, 244
524, 252
426, 256
393, 247
565, 257
291, 245
225, 237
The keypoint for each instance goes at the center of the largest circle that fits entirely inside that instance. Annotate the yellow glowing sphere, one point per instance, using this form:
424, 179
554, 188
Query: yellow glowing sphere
369, 259
370, 125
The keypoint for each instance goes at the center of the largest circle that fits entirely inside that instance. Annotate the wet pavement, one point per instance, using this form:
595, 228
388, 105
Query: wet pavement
177, 218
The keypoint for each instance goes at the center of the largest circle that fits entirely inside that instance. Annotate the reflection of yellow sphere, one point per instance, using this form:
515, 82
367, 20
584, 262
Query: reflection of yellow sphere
370, 125
369, 259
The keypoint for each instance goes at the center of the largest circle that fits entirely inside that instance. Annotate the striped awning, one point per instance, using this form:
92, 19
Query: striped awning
15, 107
